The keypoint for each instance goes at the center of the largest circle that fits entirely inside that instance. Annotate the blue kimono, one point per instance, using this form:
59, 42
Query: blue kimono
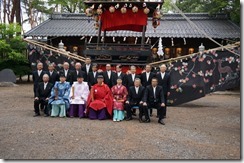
63, 94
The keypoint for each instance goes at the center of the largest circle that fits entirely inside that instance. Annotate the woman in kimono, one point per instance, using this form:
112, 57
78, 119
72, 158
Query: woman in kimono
60, 97
78, 97
119, 96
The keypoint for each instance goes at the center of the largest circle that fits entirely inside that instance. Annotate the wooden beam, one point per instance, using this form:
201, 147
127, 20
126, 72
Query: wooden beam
143, 36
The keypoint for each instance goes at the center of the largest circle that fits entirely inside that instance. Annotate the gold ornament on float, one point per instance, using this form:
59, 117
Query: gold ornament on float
111, 9
146, 10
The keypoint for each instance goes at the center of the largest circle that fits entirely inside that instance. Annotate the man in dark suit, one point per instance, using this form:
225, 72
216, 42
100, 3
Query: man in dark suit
77, 71
67, 73
37, 76
146, 78
154, 98
135, 98
120, 74
130, 78
87, 67
109, 76
92, 76
53, 75
43, 92
164, 81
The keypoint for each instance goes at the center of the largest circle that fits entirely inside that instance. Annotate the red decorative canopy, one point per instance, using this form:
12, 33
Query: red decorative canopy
128, 21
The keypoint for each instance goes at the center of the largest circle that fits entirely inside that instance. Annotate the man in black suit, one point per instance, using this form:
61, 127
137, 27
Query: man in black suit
131, 77
109, 76
37, 76
130, 80
146, 78
135, 98
154, 98
77, 71
164, 81
53, 75
43, 92
67, 73
92, 76
120, 74
87, 67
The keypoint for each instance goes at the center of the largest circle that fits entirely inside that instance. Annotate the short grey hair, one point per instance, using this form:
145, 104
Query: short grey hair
163, 65
138, 79
45, 75
66, 63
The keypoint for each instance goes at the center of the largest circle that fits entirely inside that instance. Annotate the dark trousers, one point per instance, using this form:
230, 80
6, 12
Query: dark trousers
165, 108
160, 110
130, 105
44, 105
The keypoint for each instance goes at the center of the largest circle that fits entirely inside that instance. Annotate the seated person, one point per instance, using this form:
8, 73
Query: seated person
60, 97
134, 98
42, 94
119, 96
154, 98
78, 97
100, 100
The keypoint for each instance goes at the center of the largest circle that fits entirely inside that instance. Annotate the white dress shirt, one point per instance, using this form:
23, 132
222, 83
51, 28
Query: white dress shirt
109, 74
39, 72
51, 72
137, 89
119, 73
45, 85
65, 73
94, 74
154, 92
133, 77
162, 75
147, 75
87, 68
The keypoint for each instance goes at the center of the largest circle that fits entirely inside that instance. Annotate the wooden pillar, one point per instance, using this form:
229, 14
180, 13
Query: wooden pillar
104, 36
99, 33
143, 36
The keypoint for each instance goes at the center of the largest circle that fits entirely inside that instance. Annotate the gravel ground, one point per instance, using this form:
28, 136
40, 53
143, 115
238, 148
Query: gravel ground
208, 128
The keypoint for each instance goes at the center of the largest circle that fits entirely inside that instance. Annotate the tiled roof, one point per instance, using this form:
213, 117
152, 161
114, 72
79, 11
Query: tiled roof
171, 26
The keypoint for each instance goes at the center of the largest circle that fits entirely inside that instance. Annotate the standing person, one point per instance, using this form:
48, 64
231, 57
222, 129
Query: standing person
60, 97
87, 67
135, 98
37, 76
100, 101
146, 78
154, 98
109, 76
67, 73
92, 76
120, 74
130, 81
132, 76
53, 75
164, 81
119, 93
78, 97
43, 92
77, 71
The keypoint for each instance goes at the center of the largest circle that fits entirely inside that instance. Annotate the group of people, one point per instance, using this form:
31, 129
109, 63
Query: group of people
89, 92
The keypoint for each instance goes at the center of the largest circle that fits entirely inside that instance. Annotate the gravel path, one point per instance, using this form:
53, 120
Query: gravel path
208, 128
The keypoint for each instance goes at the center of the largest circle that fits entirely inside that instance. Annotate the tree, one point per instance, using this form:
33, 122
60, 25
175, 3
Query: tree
229, 7
71, 6
12, 49
34, 10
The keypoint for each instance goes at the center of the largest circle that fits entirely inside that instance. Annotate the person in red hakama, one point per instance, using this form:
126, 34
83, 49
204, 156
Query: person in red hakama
100, 101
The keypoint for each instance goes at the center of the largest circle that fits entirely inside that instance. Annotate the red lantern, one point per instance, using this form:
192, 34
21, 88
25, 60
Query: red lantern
123, 10
111, 9
146, 10
135, 9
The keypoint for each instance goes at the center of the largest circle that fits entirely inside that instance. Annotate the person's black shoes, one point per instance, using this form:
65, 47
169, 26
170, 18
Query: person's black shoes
161, 122
147, 121
36, 115
128, 119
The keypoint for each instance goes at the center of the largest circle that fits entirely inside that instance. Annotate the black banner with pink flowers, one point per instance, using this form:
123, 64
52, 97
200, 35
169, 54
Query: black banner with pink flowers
198, 75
